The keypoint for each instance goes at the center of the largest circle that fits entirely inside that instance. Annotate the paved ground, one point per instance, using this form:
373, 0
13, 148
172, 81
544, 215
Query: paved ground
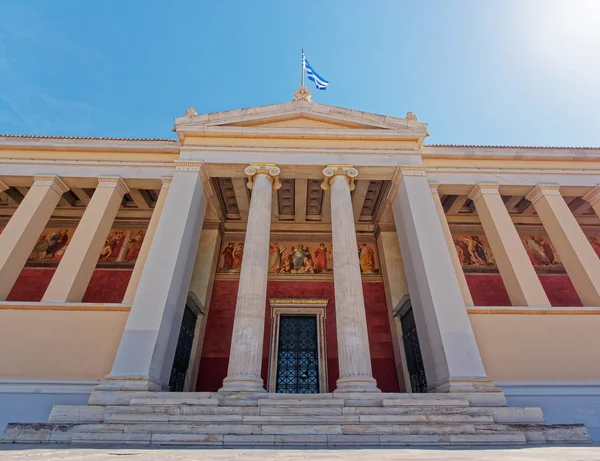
123, 453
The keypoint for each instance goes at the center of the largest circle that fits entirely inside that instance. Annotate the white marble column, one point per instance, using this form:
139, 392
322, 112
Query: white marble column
351, 321
245, 357
450, 353
145, 355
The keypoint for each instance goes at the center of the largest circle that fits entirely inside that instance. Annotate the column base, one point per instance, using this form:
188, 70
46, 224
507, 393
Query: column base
465, 385
356, 384
130, 383
243, 384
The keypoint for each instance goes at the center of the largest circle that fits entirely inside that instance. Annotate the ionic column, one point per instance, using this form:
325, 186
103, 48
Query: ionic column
25, 227
245, 358
450, 353
140, 262
351, 321
522, 283
145, 356
77, 265
573, 247
460, 274
593, 197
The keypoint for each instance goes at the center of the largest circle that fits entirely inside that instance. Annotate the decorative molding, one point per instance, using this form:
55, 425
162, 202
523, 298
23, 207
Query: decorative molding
98, 164
66, 307
412, 170
302, 94
294, 301
433, 186
483, 189
54, 182
188, 166
593, 196
333, 171
511, 171
166, 182
270, 170
298, 277
302, 151
3, 186
46, 386
540, 190
114, 182
529, 311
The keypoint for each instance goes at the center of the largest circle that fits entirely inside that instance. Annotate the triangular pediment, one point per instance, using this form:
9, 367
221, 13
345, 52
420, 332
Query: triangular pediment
297, 118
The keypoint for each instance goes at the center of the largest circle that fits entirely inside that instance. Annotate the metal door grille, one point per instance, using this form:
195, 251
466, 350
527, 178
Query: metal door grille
412, 350
183, 351
297, 355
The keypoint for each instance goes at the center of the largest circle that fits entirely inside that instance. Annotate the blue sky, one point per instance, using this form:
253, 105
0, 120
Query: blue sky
509, 72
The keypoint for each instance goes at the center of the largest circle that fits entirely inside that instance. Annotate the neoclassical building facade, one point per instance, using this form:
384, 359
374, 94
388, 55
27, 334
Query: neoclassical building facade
298, 248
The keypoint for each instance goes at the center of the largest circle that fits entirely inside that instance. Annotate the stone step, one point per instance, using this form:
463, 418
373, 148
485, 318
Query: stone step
179, 400
302, 403
424, 402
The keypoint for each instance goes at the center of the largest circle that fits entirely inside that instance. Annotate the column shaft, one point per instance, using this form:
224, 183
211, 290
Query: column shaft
145, 356
460, 274
147, 243
77, 265
572, 246
25, 227
450, 353
522, 283
245, 358
351, 321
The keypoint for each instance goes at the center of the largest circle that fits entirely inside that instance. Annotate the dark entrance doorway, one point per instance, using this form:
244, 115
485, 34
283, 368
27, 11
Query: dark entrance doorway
412, 349
297, 355
183, 352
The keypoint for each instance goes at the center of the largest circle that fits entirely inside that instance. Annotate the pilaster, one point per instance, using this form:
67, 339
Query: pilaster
147, 243
450, 353
522, 283
77, 265
593, 197
460, 274
25, 227
571, 244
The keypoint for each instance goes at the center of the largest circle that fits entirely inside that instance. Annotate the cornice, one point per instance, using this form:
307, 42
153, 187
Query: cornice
54, 182
371, 135
77, 163
483, 189
593, 196
88, 144
113, 182
67, 307
542, 190
301, 150
511, 171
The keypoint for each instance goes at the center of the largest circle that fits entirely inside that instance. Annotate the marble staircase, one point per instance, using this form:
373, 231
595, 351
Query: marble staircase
338, 419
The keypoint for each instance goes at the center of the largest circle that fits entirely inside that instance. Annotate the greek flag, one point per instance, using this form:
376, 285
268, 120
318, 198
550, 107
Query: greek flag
312, 75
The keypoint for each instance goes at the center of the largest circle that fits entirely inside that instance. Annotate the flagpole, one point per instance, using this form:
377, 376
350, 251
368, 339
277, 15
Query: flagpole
302, 69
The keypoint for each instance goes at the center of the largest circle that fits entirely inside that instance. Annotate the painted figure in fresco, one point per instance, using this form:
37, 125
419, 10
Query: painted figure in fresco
298, 256
548, 250
136, 246
321, 258
58, 239
461, 243
286, 266
536, 252
238, 253
478, 250
275, 258
116, 243
39, 250
308, 265
367, 259
228, 257
106, 251
460, 253
595, 245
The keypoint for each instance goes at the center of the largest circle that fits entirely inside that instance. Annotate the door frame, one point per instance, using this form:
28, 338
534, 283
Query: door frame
298, 306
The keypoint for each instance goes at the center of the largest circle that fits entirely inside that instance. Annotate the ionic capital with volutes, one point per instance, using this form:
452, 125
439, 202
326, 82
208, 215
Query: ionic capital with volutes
270, 170
483, 189
331, 172
114, 182
542, 190
593, 196
54, 182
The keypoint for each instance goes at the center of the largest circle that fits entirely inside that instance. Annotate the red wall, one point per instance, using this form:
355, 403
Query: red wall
489, 290
106, 285
217, 339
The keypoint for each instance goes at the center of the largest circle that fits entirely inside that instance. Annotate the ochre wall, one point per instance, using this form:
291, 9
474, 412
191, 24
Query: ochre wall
217, 339
48, 344
517, 347
488, 290
106, 285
